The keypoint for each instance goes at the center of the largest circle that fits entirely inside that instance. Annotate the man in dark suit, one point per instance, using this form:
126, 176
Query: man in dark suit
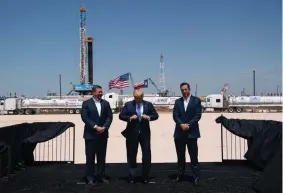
138, 113
97, 115
186, 114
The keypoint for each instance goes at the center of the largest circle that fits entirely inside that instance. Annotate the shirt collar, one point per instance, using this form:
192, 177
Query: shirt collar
188, 99
97, 101
140, 104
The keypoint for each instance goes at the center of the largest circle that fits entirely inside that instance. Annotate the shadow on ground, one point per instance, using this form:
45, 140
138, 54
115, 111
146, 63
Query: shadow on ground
62, 178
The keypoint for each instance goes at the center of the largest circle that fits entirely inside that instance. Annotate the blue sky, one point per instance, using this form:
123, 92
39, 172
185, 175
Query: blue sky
203, 42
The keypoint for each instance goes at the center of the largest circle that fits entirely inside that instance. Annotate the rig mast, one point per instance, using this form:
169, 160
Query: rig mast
83, 58
162, 85
89, 42
86, 58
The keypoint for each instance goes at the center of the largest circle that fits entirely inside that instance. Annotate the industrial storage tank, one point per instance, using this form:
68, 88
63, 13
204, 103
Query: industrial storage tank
256, 100
239, 100
41, 102
271, 99
30, 102
52, 102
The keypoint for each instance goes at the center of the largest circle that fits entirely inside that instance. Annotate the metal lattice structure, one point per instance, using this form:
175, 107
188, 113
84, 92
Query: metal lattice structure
83, 50
162, 85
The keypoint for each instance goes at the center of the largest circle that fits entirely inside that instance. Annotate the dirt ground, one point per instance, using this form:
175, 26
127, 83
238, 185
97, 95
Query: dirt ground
163, 149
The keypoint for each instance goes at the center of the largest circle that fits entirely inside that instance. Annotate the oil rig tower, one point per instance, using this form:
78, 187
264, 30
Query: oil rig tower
162, 85
86, 58
82, 45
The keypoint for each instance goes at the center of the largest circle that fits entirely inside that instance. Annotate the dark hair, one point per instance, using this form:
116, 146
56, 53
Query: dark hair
95, 87
185, 83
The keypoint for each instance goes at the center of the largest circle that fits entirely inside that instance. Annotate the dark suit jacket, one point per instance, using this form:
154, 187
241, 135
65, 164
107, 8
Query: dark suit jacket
134, 126
91, 118
191, 116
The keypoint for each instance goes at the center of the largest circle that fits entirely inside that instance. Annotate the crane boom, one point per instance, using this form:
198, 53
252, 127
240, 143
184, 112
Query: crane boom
164, 94
153, 83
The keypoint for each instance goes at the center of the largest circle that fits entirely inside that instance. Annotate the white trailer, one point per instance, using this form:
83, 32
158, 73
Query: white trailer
61, 106
10, 106
238, 104
73, 104
34, 106
156, 100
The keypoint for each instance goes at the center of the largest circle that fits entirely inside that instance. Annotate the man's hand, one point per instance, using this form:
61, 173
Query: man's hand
133, 117
185, 127
145, 117
100, 129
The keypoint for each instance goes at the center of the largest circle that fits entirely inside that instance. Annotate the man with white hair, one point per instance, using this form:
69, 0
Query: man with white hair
138, 113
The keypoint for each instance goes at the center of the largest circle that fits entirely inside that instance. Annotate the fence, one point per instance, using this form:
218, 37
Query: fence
27, 144
233, 148
59, 149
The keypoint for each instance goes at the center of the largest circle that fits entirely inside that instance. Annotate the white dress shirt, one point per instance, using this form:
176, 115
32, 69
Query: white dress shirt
141, 108
98, 106
186, 102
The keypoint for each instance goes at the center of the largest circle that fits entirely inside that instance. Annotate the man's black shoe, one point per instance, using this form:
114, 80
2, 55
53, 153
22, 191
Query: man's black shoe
196, 181
82, 181
179, 178
103, 180
91, 183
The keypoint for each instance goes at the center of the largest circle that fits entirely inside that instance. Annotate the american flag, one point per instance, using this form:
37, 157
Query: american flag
120, 82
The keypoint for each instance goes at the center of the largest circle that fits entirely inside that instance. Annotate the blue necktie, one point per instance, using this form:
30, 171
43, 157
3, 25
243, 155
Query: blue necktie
139, 112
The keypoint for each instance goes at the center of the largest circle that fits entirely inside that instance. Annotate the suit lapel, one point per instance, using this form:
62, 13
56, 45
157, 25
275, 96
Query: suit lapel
134, 107
145, 108
182, 105
191, 102
102, 107
94, 106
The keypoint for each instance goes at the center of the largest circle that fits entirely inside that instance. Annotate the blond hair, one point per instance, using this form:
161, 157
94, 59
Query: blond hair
138, 93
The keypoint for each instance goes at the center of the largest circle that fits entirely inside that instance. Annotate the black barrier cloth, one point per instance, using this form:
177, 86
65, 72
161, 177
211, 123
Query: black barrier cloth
3, 147
47, 131
264, 149
4, 159
22, 138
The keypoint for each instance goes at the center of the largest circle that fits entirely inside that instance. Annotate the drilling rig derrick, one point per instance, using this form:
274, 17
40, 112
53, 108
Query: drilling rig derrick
86, 58
82, 44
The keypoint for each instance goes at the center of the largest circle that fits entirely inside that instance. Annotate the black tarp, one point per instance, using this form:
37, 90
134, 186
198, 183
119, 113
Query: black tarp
45, 132
22, 138
3, 147
264, 149
3, 159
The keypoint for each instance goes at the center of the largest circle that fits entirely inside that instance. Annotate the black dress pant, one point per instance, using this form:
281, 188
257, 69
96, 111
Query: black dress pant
191, 143
95, 147
132, 150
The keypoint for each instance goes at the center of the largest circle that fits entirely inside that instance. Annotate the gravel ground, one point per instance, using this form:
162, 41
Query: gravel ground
62, 179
